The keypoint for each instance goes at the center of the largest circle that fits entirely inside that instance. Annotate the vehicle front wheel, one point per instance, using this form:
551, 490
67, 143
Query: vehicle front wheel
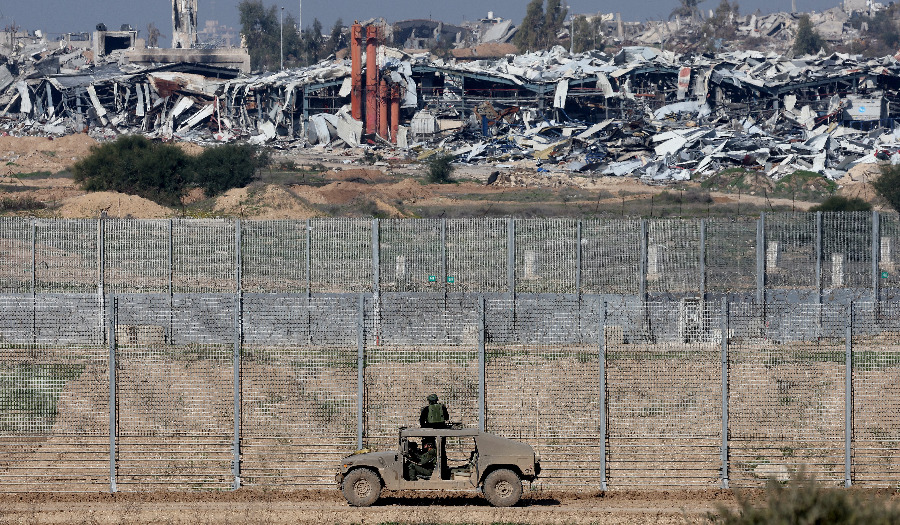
502, 488
361, 487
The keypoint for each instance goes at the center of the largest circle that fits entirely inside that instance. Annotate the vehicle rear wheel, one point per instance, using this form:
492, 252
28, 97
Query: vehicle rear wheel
361, 487
502, 488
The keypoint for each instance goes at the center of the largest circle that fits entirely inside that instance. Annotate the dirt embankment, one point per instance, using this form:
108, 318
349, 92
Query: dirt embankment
34, 168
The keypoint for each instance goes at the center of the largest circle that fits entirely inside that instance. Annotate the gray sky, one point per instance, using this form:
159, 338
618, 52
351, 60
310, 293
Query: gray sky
59, 16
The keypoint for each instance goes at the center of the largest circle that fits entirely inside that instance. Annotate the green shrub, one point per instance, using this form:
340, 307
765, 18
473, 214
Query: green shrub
840, 203
163, 172
888, 185
133, 164
804, 501
440, 168
221, 168
21, 204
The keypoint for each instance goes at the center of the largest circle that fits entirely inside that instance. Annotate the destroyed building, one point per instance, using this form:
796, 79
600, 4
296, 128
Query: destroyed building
639, 111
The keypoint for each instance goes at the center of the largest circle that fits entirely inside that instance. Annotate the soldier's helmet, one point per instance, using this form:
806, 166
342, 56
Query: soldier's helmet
432, 398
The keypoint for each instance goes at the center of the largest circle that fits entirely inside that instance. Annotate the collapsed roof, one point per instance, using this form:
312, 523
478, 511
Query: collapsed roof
640, 111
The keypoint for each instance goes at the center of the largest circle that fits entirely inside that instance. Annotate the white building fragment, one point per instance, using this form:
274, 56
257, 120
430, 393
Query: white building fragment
640, 112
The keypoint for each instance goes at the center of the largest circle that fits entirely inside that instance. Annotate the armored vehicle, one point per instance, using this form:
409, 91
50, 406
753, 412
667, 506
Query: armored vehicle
466, 459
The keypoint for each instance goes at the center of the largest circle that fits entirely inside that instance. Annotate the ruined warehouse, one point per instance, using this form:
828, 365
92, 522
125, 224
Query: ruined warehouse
639, 111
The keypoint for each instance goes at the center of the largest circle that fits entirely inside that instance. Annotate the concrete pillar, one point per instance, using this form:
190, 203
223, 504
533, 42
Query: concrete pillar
356, 71
395, 112
371, 80
383, 103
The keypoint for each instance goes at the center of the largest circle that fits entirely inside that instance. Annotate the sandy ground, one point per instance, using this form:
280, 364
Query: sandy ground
392, 186
250, 507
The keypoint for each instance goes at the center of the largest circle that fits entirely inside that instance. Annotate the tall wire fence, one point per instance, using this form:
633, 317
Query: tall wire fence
140, 355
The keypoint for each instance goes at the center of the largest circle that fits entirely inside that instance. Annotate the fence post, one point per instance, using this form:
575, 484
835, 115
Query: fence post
376, 281
444, 263
33, 256
601, 337
111, 323
482, 365
360, 369
819, 254
376, 257
643, 263
236, 356
308, 253
876, 256
702, 260
724, 327
511, 256
578, 261
101, 271
171, 290
761, 258
34, 281
848, 397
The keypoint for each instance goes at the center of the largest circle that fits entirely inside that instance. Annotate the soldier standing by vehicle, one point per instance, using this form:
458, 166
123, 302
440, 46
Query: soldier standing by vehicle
434, 414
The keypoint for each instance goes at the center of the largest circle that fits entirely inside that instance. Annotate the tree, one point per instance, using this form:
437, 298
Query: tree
721, 27
586, 34
259, 26
440, 168
528, 36
539, 27
888, 185
687, 8
336, 41
808, 41
153, 35
554, 17
313, 42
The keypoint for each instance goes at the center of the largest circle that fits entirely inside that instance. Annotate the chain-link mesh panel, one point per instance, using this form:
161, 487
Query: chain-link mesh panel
730, 255
546, 255
673, 256
175, 391
790, 250
876, 394
15, 255
341, 255
417, 346
786, 392
54, 409
543, 387
273, 256
847, 249
889, 251
203, 258
66, 258
412, 256
477, 255
136, 254
664, 394
611, 256
299, 388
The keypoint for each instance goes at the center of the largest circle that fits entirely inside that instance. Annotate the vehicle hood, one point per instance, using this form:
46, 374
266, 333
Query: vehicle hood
373, 459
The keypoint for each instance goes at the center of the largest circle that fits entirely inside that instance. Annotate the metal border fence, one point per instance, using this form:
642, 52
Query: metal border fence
141, 355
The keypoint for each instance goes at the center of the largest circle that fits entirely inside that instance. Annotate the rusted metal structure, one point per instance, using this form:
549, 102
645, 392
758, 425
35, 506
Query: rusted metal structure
356, 71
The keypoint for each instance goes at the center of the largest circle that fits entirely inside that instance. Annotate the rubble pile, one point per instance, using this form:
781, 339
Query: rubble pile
640, 111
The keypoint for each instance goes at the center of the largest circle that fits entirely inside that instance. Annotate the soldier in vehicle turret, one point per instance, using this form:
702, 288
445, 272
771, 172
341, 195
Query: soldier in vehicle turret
434, 414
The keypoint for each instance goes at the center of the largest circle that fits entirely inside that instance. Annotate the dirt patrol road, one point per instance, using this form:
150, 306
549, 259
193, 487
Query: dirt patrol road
252, 507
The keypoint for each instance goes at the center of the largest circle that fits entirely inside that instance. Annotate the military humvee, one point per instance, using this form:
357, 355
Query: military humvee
467, 459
